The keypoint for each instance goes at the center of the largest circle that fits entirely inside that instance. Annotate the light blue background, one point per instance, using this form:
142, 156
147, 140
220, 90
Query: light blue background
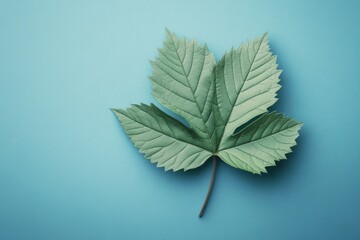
68, 171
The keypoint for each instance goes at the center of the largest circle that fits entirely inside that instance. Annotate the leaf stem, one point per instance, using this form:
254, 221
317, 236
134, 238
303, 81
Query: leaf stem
210, 187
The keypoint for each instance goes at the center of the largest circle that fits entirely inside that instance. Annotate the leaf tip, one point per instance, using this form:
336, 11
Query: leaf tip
169, 33
115, 110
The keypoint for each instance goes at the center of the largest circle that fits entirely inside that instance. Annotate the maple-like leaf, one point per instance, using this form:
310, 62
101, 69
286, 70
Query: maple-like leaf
215, 99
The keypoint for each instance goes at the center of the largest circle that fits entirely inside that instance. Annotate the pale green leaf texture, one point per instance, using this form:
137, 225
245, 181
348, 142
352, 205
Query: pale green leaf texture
262, 143
246, 83
215, 99
162, 139
183, 81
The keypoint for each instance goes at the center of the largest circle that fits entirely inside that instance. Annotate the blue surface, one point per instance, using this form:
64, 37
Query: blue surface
68, 171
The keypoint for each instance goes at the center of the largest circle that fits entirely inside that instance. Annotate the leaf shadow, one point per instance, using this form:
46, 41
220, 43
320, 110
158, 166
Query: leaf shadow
285, 93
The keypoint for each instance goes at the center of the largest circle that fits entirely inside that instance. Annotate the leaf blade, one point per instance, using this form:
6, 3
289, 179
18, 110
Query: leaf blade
161, 138
246, 84
262, 143
183, 81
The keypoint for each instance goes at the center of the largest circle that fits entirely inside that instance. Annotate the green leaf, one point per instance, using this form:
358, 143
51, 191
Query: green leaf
215, 99
183, 81
246, 82
161, 138
262, 143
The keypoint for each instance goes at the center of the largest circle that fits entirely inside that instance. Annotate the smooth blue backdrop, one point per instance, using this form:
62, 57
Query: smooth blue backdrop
68, 171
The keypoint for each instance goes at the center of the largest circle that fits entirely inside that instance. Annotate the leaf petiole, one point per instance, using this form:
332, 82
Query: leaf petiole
210, 187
